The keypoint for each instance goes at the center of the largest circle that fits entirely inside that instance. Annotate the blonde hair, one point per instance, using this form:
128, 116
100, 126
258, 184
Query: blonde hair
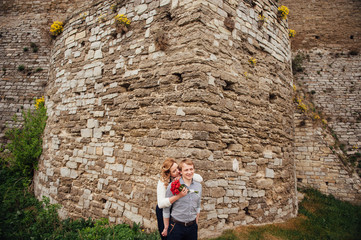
185, 161
165, 170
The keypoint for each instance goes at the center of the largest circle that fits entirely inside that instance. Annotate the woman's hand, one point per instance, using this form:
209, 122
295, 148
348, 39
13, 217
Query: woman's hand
177, 178
165, 232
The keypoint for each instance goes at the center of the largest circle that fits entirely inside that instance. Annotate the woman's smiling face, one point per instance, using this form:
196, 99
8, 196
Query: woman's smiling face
174, 171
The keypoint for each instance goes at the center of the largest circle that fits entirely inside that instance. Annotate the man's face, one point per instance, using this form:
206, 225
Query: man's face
187, 171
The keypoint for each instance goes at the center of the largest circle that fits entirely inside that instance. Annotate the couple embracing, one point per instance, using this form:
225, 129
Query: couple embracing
178, 208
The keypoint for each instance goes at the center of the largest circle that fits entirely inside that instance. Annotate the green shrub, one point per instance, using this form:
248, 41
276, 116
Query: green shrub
69, 228
34, 47
297, 63
46, 220
102, 230
22, 216
26, 141
21, 68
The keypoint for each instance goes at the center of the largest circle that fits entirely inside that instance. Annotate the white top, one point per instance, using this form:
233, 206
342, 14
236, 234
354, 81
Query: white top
161, 189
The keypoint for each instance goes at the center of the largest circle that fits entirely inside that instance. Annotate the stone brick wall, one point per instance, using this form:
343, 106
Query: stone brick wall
325, 24
118, 106
318, 164
19, 88
47, 9
333, 80
328, 38
23, 24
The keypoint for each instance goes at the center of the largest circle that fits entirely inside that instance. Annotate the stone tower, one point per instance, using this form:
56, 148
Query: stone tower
179, 83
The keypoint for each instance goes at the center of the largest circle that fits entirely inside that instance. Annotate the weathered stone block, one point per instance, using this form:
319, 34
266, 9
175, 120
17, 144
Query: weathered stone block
65, 172
80, 35
97, 133
108, 151
264, 183
270, 173
86, 133
141, 8
217, 192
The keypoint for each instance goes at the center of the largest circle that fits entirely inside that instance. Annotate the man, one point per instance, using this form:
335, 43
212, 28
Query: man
182, 222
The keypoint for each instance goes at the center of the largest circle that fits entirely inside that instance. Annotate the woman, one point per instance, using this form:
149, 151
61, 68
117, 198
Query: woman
169, 172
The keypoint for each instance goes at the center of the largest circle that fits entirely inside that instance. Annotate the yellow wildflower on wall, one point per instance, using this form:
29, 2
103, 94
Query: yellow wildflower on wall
83, 15
291, 33
39, 102
122, 19
101, 18
262, 17
56, 28
302, 106
283, 12
252, 61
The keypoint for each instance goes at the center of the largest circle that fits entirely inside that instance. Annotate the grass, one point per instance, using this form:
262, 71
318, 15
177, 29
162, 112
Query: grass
320, 217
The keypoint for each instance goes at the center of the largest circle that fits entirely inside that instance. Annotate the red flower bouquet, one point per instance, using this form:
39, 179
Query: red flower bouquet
176, 187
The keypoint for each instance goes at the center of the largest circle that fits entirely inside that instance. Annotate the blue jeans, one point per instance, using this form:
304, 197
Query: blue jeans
177, 231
